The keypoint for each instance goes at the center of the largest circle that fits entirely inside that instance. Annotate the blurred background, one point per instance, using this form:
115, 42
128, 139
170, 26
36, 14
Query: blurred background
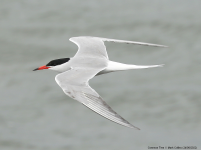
163, 102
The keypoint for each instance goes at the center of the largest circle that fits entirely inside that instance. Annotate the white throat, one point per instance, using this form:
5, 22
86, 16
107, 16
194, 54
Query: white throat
60, 68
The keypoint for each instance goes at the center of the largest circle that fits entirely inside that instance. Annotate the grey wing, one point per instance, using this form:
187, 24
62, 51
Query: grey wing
98, 105
94, 46
83, 40
131, 42
90, 47
75, 84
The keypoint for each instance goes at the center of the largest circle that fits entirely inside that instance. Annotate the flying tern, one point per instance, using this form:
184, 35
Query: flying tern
91, 60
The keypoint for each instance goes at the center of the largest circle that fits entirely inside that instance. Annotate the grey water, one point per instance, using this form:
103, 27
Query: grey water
165, 103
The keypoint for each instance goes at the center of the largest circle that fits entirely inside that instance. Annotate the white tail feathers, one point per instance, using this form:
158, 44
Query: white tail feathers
115, 66
144, 67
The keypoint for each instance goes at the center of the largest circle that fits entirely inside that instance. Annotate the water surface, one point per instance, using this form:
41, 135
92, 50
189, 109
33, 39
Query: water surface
163, 102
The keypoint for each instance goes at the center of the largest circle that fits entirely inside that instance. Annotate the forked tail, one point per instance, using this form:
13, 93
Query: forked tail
115, 66
144, 67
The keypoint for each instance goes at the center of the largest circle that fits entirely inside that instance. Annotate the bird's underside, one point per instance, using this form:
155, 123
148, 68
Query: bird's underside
91, 60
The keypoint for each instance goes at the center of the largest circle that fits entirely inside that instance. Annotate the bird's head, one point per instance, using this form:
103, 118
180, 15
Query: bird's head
53, 63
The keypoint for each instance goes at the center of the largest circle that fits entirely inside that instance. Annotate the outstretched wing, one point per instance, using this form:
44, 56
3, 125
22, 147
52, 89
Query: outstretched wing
94, 46
131, 42
75, 84
89, 46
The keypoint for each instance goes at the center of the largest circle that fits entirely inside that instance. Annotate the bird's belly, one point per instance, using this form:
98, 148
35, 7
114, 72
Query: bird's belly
106, 70
114, 66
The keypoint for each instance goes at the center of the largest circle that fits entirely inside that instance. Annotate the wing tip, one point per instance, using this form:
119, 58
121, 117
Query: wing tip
164, 46
127, 42
133, 127
133, 42
154, 45
136, 128
161, 65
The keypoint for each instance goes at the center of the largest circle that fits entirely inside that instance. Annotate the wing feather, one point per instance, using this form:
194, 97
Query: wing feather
100, 39
90, 46
132, 42
74, 83
95, 47
98, 105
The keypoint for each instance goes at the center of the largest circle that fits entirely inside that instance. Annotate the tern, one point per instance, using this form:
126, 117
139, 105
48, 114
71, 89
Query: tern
91, 60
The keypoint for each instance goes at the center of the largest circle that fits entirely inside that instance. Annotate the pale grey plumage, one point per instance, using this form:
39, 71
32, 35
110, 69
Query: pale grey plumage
92, 59
75, 84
